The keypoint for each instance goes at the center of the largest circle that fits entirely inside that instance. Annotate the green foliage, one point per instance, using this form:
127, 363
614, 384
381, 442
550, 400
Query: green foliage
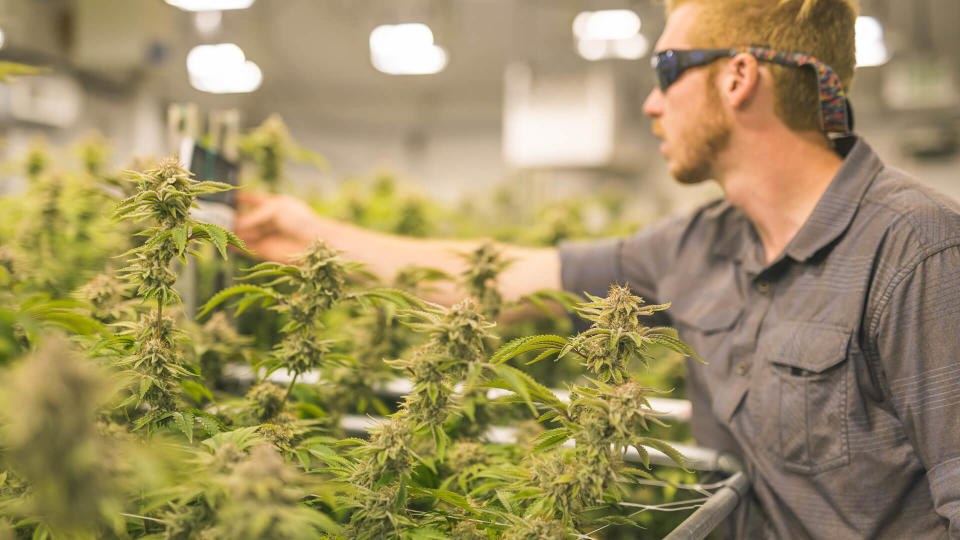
479, 279
269, 147
50, 440
164, 196
185, 449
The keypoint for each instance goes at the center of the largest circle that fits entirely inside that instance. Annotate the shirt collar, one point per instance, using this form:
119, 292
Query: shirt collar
838, 205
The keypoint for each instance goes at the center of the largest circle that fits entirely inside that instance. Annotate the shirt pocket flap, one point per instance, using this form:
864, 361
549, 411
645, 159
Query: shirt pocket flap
810, 347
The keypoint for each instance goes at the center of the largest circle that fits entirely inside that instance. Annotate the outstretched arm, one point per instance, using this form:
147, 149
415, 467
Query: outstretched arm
277, 227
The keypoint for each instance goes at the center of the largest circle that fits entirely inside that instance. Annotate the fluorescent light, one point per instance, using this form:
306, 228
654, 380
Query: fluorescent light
601, 49
871, 47
222, 69
210, 5
632, 48
607, 24
208, 22
406, 49
592, 49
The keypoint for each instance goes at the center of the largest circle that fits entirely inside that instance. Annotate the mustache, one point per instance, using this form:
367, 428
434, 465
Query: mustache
657, 128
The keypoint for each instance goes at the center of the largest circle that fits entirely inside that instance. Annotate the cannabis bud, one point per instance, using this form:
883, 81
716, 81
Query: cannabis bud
484, 264
269, 401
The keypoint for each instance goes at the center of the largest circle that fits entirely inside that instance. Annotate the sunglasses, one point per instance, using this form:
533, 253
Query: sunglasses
836, 116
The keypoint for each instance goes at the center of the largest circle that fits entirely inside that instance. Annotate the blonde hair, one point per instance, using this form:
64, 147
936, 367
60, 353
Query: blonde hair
823, 29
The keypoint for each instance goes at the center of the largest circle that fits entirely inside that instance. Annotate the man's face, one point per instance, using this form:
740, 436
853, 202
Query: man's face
689, 116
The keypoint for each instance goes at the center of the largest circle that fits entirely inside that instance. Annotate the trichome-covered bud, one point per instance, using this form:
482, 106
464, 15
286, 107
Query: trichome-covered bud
620, 310
388, 451
105, 294
536, 529
460, 331
171, 193
269, 400
263, 493
377, 514
37, 160
322, 273
468, 454
49, 438
480, 278
158, 361
617, 334
468, 530
94, 151
301, 351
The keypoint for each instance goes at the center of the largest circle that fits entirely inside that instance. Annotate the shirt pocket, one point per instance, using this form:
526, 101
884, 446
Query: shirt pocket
810, 376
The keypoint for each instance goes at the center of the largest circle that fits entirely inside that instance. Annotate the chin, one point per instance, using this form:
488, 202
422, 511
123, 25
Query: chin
689, 174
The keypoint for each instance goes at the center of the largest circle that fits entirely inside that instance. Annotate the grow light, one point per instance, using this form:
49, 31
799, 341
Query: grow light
871, 47
406, 49
222, 69
210, 5
208, 22
613, 33
627, 49
608, 24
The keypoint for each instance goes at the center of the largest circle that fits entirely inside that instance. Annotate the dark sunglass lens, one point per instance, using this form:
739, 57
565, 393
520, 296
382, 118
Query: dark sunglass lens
666, 69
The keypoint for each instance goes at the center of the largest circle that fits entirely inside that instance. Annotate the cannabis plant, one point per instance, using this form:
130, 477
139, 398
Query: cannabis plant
107, 297
382, 468
604, 417
165, 196
484, 265
51, 443
302, 292
269, 147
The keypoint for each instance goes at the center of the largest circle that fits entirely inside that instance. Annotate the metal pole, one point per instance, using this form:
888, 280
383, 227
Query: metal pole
714, 511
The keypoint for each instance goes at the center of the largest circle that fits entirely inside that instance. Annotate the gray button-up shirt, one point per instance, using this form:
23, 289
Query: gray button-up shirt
834, 371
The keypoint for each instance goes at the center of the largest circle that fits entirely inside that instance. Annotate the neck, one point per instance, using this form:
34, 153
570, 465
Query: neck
776, 177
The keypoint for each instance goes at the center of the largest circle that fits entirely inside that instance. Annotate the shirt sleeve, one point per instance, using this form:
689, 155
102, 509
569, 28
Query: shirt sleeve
640, 260
918, 345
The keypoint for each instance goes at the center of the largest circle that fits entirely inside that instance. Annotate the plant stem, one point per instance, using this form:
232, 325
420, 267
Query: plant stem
159, 317
290, 387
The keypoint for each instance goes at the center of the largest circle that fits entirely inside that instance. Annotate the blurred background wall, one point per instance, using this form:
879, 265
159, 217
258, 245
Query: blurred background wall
520, 99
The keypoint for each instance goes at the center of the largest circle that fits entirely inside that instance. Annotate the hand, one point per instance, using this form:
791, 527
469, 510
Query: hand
274, 227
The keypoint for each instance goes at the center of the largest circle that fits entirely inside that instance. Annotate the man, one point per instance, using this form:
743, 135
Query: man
824, 290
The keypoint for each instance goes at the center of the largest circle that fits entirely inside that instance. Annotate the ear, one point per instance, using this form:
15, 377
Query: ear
740, 79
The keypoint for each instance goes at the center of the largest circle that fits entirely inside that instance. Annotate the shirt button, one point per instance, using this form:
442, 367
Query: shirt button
763, 287
742, 368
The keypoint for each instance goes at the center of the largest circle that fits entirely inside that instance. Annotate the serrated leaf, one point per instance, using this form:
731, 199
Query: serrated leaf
230, 292
551, 439
180, 238
208, 420
196, 390
208, 425
145, 384
217, 236
184, 422
517, 384
526, 344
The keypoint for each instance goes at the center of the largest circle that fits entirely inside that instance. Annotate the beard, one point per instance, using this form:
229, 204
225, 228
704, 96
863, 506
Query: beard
704, 141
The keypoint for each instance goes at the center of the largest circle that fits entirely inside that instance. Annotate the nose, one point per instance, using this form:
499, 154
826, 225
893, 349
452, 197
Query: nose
653, 105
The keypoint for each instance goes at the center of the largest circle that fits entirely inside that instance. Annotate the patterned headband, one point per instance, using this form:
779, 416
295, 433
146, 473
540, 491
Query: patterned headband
834, 114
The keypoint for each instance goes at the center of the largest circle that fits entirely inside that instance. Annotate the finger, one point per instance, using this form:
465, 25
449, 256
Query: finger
252, 198
279, 249
251, 226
